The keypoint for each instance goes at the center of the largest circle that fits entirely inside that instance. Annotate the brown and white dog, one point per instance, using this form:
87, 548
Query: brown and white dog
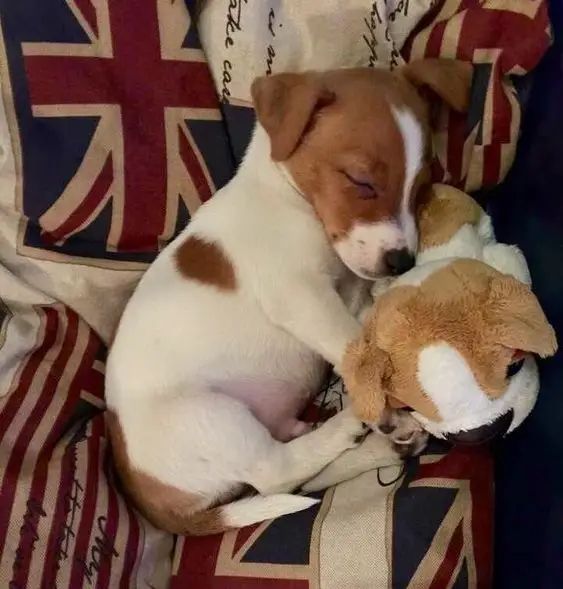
228, 333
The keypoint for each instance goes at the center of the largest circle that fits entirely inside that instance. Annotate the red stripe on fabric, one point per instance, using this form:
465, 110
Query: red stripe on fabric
17, 451
476, 465
39, 481
198, 563
88, 11
110, 553
482, 513
434, 44
491, 164
446, 570
87, 206
64, 79
93, 383
59, 80
194, 167
61, 532
81, 556
67, 489
243, 535
458, 463
184, 84
523, 41
49, 323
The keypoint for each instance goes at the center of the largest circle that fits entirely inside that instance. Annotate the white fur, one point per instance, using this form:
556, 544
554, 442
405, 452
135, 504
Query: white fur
365, 244
413, 141
449, 382
246, 512
180, 343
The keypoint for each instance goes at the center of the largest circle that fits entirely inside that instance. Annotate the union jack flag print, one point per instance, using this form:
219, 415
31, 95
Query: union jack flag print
116, 115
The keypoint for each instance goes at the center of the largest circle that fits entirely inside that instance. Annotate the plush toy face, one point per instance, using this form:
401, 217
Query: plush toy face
455, 346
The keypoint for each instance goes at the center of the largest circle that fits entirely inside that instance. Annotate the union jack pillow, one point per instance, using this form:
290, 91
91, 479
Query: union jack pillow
503, 40
111, 135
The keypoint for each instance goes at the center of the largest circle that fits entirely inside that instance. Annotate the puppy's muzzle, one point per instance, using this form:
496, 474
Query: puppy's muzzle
483, 434
398, 261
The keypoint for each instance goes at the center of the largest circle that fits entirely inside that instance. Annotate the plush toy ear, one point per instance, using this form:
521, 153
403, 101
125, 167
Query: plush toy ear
518, 319
448, 78
284, 105
364, 370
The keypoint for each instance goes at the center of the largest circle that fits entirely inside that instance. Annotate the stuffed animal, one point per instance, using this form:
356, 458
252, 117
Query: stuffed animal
453, 340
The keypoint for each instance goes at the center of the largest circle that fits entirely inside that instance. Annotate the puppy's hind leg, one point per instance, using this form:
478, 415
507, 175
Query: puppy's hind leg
284, 467
374, 452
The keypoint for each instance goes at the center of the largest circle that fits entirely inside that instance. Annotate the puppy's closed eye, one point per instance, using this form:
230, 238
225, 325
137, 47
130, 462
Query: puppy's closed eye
363, 184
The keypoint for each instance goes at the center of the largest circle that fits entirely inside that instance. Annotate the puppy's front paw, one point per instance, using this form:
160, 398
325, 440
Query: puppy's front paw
349, 430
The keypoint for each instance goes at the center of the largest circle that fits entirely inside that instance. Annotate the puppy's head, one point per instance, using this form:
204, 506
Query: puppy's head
456, 349
357, 144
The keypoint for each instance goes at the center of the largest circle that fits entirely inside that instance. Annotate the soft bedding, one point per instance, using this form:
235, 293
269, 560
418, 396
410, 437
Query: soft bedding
113, 130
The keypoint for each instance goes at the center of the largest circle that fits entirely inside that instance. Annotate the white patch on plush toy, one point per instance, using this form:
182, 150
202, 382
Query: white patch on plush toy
447, 379
465, 243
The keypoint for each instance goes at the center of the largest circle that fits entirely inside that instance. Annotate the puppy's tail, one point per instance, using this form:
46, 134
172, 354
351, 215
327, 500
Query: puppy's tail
245, 512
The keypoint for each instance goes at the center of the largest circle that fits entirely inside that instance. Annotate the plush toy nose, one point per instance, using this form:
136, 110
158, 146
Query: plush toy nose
483, 434
386, 428
399, 261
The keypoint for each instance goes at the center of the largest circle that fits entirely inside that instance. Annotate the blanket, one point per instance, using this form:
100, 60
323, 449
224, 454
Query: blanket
113, 130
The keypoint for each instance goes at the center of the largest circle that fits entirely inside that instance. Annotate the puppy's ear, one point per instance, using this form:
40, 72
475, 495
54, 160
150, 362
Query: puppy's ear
517, 318
364, 370
448, 78
284, 105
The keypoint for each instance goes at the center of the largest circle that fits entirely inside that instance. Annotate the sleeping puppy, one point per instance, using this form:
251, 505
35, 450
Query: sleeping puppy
230, 330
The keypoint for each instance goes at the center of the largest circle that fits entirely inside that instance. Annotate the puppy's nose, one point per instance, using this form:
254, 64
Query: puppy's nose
483, 434
399, 261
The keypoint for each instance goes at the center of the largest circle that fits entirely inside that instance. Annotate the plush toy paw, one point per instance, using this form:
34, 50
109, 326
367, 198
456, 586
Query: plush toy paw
407, 436
411, 446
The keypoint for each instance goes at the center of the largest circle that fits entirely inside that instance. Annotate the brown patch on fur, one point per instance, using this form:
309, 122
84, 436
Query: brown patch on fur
442, 215
284, 104
205, 262
355, 136
334, 125
483, 314
165, 506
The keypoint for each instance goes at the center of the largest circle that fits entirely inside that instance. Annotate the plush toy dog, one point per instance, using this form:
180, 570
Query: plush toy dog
453, 340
